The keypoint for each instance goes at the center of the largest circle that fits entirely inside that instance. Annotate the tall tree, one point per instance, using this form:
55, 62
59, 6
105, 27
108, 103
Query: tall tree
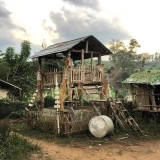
10, 55
117, 46
124, 58
5, 69
157, 55
21, 72
134, 45
124, 61
25, 50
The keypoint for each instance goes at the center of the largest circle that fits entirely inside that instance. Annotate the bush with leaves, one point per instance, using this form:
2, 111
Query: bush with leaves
49, 101
12, 109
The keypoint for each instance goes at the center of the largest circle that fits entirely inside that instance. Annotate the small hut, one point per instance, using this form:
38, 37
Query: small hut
73, 81
6, 91
145, 90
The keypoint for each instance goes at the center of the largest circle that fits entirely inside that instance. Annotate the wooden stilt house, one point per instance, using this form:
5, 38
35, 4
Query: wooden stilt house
72, 80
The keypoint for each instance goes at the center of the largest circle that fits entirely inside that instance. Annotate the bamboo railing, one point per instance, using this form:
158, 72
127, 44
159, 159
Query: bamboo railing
85, 74
79, 74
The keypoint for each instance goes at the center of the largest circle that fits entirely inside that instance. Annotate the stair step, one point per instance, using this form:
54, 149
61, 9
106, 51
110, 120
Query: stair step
101, 100
129, 119
91, 87
119, 102
98, 92
124, 110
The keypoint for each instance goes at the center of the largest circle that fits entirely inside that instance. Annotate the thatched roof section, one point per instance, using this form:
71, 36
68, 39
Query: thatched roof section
145, 77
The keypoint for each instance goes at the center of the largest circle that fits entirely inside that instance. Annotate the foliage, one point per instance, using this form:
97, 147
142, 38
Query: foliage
14, 109
124, 61
133, 45
147, 77
122, 93
17, 70
117, 46
51, 64
4, 131
49, 101
16, 147
10, 55
5, 69
25, 50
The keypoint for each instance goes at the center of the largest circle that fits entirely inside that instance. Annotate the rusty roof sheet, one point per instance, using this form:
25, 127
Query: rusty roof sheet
65, 46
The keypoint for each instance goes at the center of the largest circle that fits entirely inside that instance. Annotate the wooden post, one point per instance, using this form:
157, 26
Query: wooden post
92, 66
39, 82
152, 99
82, 66
87, 46
99, 60
91, 61
82, 57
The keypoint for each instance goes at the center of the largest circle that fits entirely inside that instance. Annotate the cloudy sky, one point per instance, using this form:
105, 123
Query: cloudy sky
62, 20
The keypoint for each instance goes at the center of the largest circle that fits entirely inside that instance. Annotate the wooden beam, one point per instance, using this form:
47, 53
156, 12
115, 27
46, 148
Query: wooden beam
82, 57
87, 46
99, 59
79, 51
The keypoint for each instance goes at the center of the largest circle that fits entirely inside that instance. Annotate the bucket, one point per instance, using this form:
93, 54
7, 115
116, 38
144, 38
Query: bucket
101, 126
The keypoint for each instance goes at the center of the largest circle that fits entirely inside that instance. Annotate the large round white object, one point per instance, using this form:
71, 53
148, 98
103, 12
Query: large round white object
100, 126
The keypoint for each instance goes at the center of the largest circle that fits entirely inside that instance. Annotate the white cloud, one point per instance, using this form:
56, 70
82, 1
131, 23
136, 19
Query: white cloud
113, 19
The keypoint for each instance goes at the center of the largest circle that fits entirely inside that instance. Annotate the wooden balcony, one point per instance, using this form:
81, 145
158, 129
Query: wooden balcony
85, 74
75, 75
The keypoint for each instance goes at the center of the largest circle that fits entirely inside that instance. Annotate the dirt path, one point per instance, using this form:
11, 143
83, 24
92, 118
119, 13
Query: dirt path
144, 150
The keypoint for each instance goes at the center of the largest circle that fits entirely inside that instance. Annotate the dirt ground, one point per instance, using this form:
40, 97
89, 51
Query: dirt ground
143, 150
123, 148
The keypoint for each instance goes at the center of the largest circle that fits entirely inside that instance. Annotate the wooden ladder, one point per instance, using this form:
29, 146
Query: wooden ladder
121, 113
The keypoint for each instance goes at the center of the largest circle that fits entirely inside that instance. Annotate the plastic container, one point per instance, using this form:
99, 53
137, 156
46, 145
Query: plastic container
101, 126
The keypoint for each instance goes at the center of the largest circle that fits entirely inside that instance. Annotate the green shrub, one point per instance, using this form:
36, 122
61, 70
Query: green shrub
49, 101
7, 107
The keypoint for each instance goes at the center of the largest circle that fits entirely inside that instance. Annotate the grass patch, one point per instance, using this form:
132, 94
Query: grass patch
83, 137
150, 128
14, 147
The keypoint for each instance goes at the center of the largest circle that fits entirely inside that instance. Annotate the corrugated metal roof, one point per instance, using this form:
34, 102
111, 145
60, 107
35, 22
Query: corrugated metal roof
10, 84
65, 46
